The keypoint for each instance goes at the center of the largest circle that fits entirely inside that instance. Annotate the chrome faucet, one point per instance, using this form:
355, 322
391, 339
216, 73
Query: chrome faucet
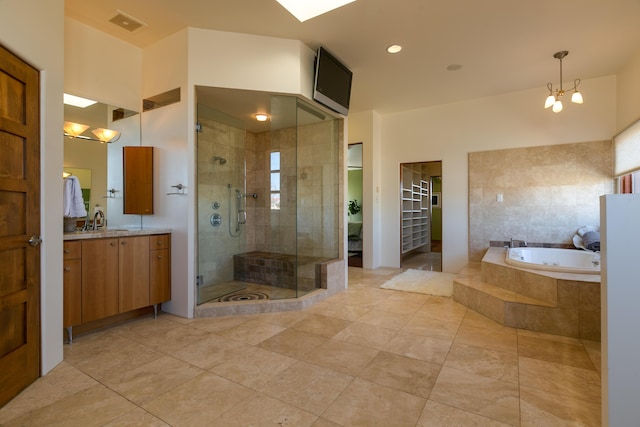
519, 243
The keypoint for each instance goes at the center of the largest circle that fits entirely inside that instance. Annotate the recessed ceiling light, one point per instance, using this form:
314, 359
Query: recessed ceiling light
76, 101
394, 48
308, 9
261, 117
454, 67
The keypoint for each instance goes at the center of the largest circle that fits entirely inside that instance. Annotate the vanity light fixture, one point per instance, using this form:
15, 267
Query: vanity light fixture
77, 101
75, 130
394, 48
554, 100
261, 117
308, 9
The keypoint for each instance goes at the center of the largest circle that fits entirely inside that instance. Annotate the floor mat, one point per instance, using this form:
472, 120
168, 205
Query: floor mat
423, 282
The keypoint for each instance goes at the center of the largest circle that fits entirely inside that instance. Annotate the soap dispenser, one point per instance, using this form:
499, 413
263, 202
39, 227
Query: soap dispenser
98, 216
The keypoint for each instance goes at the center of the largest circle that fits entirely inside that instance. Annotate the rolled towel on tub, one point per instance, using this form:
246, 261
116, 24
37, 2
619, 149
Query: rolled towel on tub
591, 240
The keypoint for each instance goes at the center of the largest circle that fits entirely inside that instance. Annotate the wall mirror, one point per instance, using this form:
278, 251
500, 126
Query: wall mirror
98, 164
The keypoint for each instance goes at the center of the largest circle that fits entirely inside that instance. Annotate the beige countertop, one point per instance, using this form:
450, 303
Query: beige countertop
114, 232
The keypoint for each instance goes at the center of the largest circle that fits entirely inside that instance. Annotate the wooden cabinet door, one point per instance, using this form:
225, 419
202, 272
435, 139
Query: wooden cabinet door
72, 282
137, 166
159, 276
134, 272
99, 278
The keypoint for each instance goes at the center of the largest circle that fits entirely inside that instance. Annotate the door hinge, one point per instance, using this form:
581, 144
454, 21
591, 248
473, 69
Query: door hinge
198, 127
199, 280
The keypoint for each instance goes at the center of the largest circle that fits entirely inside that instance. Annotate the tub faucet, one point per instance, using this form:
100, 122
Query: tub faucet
517, 243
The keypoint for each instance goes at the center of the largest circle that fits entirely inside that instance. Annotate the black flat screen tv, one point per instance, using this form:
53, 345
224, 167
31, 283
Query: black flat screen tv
332, 82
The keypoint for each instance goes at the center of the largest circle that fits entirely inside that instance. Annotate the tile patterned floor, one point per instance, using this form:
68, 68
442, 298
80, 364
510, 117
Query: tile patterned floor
364, 357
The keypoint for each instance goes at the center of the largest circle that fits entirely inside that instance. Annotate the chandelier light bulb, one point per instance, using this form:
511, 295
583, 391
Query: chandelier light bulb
576, 97
557, 106
550, 101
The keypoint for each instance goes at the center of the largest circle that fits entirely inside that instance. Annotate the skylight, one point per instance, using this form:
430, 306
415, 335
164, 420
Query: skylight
307, 9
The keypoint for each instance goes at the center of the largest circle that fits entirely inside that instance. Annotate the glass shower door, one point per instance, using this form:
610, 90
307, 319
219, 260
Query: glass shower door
221, 171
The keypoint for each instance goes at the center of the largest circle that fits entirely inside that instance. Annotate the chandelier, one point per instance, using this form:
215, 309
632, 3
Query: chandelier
554, 100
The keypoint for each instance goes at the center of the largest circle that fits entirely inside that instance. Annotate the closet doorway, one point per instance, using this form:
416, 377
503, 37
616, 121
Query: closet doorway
354, 205
421, 215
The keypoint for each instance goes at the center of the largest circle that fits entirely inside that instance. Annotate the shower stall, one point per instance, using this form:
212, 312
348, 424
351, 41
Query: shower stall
268, 202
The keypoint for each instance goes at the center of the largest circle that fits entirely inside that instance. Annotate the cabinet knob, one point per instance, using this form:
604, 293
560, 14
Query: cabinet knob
159, 243
66, 251
159, 256
112, 244
123, 242
67, 269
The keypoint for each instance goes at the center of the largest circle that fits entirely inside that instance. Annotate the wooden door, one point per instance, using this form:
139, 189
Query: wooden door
99, 278
134, 273
19, 226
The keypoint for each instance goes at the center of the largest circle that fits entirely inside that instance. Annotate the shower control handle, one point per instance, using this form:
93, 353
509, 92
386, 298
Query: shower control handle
215, 220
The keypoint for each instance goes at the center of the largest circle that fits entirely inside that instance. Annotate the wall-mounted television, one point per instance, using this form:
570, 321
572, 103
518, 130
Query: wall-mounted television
332, 82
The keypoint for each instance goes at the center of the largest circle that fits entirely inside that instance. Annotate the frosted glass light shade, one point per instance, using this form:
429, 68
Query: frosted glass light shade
576, 97
550, 101
557, 106
106, 135
74, 129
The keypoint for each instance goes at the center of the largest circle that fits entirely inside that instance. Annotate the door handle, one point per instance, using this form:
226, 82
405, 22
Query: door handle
35, 240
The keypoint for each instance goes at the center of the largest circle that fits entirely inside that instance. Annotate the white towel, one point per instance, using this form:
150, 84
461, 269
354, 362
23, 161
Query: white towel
73, 204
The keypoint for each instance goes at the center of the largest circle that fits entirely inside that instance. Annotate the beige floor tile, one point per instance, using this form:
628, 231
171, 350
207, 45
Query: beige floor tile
252, 332
367, 404
485, 362
321, 325
438, 415
265, 411
477, 320
403, 303
93, 345
555, 351
387, 319
199, 401
307, 386
209, 351
169, 340
293, 343
251, 366
430, 327
284, 318
442, 308
480, 395
94, 406
218, 324
403, 373
419, 347
342, 356
340, 311
149, 381
110, 363
321, 422
63, 381
565, 380
541, 409
365, 297
487, 338
137, 418
366, 335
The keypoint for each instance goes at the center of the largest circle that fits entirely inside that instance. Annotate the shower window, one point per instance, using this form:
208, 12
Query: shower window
275, 180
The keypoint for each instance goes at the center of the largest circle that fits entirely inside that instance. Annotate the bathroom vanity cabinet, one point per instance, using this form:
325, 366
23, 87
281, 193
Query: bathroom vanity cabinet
108, 276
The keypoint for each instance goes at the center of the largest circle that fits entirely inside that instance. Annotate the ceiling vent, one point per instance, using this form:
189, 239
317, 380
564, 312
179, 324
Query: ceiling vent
127, 22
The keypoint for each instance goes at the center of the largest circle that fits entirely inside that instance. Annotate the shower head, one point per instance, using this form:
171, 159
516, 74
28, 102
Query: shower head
221, 160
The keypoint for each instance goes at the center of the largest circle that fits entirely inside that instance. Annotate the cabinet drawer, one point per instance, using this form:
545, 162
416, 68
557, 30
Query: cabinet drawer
159, 241
72, 250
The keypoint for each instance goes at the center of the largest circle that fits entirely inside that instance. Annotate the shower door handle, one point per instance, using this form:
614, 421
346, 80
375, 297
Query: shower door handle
242, 217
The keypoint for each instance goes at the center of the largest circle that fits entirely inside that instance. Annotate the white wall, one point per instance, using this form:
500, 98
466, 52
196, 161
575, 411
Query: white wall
449, 132
34, 30
628, 93
101, 67
365, 128
620, 294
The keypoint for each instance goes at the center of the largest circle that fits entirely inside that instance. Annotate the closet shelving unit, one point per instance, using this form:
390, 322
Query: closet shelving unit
415, 209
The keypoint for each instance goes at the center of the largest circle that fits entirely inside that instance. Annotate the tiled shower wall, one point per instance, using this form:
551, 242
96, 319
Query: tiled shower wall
548, 192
